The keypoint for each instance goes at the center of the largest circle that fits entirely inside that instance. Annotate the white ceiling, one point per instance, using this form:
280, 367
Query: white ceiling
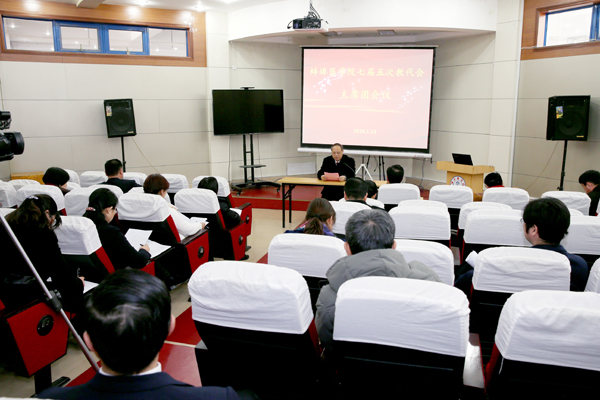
197, 5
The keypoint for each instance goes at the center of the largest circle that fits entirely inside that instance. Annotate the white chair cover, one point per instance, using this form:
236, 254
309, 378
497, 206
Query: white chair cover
451, 195
52, 191
201, 201
583, 236
577, 200
406, 313
576, 213
369, 201
89, 178
77, 236
466, 209
495, 227
416, 222
5, 211
176, 182
115, 189
138, 177
223, 191
552, 328
343, 212
142, 207
514, 269
394, 193
310, 255
8, 195
593, 283
514, 197
435, 255
73, 177
73, 185
258, 297
77, 200
19, 183
141, 190
423, 203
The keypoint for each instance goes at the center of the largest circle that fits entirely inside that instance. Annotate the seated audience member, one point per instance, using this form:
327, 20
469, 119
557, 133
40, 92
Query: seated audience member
355, 191
114, 171
590, 181
372, 190
493, 179
158, 184
128, 320
545, 224
57, 177
338, 163
371, 251
395, 174
230, 217
33, 224
101, 210
319, 220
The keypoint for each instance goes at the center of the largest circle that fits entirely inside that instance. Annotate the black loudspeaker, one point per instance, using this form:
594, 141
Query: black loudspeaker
120, 120
568, 118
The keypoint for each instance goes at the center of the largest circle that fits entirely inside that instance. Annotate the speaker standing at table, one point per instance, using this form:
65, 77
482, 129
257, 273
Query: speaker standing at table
338, 163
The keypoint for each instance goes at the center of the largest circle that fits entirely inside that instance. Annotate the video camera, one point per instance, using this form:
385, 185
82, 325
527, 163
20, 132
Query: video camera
11, 143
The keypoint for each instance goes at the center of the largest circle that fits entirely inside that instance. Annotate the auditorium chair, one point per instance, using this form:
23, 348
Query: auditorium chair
229, 244
493, 227
52, 191
465, 210
583, 238
152, 213
89, 178
514, 197
141, 190
77, 200
500, 272
343, 212
546, 347
424, 203
73, 185
593, 283
370, 201
19, 183
257, 329
435, 255
115, 189
454, 197
73, 177
423, 223
310, 255
8, 195
138, 177
81, 247
393, 193
394, 337
176, 183
577, 200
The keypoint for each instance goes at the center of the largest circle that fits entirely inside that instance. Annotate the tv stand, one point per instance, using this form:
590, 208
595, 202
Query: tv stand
252, 182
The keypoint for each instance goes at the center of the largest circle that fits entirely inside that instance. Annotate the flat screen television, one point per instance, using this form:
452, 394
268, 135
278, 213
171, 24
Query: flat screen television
239, 111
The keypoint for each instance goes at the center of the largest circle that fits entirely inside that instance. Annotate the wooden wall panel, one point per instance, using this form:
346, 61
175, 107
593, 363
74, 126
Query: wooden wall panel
533, 9
130, 15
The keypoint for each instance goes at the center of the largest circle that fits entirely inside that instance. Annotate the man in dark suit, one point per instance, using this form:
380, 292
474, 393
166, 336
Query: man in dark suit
338, 163
114, 171
355, 191
590, 181
128, 318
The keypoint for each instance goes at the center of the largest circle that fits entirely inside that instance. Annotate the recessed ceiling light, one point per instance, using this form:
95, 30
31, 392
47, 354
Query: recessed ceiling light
388, 32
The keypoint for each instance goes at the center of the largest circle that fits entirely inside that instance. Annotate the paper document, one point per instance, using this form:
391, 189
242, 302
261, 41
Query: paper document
200, 219
87, 286
137, 237
237, 210
156, 248
332, 176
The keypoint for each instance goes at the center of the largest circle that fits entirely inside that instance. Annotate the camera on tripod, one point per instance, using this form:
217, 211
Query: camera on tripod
11, 143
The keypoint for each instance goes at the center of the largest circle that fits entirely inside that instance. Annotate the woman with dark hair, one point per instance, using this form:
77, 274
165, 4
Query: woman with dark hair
33, 224
101, 210
493, 179
57, 177
230, 217
158, 185
320, 218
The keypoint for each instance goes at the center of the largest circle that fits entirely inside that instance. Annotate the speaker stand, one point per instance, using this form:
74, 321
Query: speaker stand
562, 173
123, 153
252, 182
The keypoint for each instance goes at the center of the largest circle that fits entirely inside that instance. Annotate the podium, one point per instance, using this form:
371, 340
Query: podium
465, 175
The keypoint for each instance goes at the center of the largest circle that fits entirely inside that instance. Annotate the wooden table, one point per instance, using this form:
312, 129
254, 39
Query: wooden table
292, 182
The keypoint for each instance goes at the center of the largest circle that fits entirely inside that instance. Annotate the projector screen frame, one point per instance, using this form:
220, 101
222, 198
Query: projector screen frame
398, 151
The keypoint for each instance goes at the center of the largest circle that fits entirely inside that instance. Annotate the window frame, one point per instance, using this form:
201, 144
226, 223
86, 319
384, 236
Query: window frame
593, 35
115, 27
58, 43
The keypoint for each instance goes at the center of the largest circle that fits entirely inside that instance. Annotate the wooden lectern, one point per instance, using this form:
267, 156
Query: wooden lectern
470, 175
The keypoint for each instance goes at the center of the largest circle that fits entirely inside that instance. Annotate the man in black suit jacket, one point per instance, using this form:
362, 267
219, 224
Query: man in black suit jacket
355, 191
114, 171
339, 163
128, 318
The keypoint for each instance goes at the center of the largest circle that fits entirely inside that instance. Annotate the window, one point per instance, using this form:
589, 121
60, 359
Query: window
576, 25
82, 37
